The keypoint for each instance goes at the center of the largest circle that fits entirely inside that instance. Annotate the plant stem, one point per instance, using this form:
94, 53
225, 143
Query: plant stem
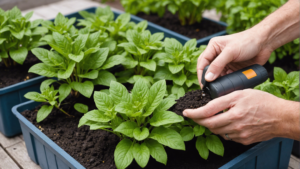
63, 111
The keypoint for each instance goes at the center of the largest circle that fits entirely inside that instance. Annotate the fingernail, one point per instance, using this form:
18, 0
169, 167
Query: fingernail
184, 113
209, 76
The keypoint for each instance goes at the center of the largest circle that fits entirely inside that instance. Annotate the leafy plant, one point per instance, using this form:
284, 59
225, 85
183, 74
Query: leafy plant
285, 85
179, 64
61, 25
103, 20
206, 141
140, 48
139, 118
244, 14
18, 35
188, 11
48, 95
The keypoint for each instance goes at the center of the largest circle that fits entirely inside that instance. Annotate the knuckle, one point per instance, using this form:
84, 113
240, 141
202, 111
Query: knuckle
238, 128
210, 125
245, 135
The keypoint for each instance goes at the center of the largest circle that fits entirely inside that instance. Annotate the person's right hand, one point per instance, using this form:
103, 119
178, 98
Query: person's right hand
226, 54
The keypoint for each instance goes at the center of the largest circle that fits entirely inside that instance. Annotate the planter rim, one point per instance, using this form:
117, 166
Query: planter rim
20, 85
163, 29
240, 159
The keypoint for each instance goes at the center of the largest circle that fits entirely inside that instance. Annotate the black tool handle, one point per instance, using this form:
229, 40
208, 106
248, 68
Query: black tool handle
248, 77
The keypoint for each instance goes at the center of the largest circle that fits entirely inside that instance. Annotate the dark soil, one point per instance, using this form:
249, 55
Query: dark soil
95, 149
191, 100
286, 63
18, 73
197, 30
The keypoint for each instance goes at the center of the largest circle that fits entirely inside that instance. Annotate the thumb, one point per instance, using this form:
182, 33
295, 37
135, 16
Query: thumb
218, 65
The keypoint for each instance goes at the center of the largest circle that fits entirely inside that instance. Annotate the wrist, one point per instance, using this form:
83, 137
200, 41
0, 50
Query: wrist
289, 120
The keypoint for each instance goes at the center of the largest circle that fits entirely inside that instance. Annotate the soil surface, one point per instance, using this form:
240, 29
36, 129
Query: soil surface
18, 73
197, 30
286, 63
191, 100
95, 149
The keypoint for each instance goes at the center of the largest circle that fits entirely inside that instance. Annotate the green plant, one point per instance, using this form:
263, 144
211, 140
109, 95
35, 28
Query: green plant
206, 141
18, 35
179, 64
61, 25
188, 11
285, 85
103, 20
139, 118
140, 48
48, 95
244, 14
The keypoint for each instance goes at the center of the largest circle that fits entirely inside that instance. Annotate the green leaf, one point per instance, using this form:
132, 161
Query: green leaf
163, 73
150, 65
81, 108
86, 88
140, 135
202, 148
176, 68
19, 55
95, 60
156, 95
165, 105
35, 96
76, 57
64, 91
44, 111
79, 44
46, 83
118, 92
96, 115
141, 154
140, 93
123, 154
43, 69
103, 101
109, 44
179, 79
65, 74
215, 145
39, 31
172, 45
113, 61
156, 37
187, 133
126, 128
157, 151
125, 107
279, 74
90, 75
104, 78
293, 79
190, 45
165, 117
168, 137
199, 130
62, 43
3, 54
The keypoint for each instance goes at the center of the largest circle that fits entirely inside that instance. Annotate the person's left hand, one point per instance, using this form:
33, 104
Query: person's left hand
252, 116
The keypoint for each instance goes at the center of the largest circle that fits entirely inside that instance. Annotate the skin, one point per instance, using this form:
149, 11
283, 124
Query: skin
252, 115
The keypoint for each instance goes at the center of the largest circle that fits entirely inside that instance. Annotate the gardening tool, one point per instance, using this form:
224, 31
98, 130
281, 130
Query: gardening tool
248, 77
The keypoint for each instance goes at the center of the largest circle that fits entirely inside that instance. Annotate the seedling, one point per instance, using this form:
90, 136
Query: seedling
179, 64
285, 85
139, 118
18, 35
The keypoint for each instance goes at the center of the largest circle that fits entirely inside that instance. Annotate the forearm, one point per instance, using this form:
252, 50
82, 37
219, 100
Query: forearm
280, 27
289, 125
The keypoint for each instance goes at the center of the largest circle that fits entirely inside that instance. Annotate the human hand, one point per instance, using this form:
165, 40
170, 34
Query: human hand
226, 54
253, 116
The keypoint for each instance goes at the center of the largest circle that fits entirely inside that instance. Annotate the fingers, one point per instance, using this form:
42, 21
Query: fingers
217, 66
211, 108
215, 122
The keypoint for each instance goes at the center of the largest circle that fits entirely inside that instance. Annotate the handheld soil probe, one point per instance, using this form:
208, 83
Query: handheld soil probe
248, 77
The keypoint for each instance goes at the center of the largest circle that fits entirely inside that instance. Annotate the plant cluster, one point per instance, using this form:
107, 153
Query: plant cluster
285, 86
81, 58
18, 35
188, 11
244, 14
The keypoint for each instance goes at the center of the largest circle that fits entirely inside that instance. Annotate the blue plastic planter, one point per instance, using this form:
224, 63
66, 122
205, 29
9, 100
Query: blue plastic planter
11, 96
156, 28
43, 151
